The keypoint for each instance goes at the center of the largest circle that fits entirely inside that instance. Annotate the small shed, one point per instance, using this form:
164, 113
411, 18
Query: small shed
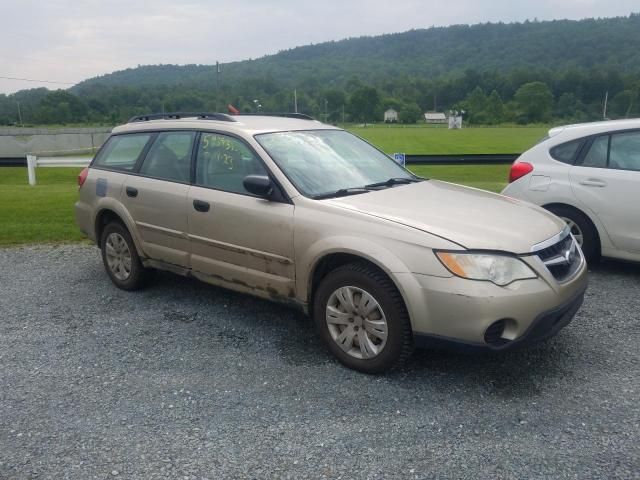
435, 117
390, 116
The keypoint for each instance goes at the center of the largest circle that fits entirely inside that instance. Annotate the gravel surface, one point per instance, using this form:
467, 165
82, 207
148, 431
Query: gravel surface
184, 380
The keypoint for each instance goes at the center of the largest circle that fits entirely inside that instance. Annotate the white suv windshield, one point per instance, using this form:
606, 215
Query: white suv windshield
320, 162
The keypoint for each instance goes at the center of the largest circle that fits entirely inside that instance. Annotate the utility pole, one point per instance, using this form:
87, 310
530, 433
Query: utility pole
326, 115
218, 71
604, 110
343, 117
295, 101
20, 115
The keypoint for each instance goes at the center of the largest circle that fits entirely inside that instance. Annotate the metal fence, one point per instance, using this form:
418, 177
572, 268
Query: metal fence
466, 159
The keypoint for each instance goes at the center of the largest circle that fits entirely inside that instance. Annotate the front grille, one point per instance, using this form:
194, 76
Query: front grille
562, 259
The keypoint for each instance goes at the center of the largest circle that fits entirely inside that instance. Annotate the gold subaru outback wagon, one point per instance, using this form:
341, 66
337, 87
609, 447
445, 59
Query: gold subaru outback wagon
293, 210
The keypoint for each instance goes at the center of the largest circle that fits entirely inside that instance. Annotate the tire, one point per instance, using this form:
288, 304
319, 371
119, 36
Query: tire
120, 258
582, 229
388, 314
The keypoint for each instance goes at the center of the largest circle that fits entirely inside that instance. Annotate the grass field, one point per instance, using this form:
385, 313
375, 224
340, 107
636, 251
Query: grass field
486, 177
429, 140
44, 213
38, 214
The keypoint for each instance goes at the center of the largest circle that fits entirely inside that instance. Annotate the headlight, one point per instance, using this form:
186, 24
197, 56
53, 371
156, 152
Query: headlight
499, 269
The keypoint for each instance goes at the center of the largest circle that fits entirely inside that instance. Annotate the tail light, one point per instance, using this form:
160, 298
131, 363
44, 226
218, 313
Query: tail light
83, 176
519, 170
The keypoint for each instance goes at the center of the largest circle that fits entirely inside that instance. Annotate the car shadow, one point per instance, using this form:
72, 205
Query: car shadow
618, 267
240, 321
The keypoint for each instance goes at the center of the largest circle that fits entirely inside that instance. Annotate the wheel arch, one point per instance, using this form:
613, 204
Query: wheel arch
593, 222
111, 213
335, 259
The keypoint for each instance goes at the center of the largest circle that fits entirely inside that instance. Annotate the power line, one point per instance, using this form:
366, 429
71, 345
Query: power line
34, 80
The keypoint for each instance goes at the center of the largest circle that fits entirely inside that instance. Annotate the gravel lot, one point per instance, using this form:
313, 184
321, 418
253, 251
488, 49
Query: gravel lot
184, 380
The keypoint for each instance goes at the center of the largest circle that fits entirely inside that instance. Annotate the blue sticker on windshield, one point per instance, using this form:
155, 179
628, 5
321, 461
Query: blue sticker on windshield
101, 187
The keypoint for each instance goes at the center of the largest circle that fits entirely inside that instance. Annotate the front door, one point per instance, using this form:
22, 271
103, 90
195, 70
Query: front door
237, 239
607, 181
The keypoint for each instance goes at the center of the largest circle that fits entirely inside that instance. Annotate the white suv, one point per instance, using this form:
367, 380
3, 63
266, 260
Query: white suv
589, 175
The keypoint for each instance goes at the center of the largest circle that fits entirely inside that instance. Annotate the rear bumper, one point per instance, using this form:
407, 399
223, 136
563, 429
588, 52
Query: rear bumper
84, 219
545, 326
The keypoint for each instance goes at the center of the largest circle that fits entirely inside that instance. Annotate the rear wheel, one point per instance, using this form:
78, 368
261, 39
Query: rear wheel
121, 259
362, 318
581, 228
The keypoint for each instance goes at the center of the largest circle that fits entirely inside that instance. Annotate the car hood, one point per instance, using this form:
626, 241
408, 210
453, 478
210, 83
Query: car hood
472, 218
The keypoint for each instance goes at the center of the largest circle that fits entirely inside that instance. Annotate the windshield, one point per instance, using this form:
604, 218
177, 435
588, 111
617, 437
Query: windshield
319, 162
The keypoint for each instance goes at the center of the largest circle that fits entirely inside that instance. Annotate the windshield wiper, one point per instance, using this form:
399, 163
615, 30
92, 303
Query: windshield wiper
394, 181
343, 192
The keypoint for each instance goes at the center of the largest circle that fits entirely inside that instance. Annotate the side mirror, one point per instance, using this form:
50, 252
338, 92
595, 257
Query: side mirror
259, 185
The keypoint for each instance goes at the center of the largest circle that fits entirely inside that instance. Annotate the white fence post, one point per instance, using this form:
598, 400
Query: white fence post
32, 161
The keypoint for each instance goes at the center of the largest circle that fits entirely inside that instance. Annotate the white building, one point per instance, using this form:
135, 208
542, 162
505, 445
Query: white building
390, 116
435, 117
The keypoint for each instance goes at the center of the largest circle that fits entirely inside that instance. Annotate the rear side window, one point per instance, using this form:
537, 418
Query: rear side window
122, 151
596, 157
170, 157
566, 152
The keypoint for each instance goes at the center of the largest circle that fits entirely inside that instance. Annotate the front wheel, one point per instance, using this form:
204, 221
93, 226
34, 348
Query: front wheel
362, 318
582, 230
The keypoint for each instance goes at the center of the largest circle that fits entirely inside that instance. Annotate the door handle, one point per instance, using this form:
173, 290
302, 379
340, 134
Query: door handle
131, 192
593, 182
201, 206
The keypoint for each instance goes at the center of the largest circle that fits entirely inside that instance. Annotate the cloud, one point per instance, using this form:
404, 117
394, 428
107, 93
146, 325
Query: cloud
68, 41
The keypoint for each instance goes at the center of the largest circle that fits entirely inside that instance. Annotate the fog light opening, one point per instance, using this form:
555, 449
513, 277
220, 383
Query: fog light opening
494, 334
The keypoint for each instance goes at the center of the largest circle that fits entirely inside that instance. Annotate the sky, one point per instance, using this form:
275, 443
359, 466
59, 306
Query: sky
69, 41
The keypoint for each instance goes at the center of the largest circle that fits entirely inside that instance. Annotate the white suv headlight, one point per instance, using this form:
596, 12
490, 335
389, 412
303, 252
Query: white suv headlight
499, 269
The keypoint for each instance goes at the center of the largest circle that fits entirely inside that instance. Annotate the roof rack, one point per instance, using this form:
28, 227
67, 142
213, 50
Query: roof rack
299, 116
223, 117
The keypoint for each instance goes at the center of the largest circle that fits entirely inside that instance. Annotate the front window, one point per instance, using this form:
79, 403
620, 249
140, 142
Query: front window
223, 162
624, 152
319, 162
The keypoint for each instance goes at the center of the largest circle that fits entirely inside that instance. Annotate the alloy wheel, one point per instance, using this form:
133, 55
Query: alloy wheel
575, 230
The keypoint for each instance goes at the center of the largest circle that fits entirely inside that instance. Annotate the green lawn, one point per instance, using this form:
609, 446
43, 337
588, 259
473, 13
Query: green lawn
430, 140
42, 213
487, 177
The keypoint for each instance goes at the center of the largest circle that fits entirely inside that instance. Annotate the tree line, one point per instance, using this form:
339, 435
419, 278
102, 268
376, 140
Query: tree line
522, 96
526, 72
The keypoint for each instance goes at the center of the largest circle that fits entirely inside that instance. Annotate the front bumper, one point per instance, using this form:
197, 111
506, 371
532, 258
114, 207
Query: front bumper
453, 310
545, 326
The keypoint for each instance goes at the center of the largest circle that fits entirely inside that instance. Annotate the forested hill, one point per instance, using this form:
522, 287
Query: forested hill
532, 72
607, 44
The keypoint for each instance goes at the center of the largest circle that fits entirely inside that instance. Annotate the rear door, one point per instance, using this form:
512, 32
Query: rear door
156, 197
607, 181
238, 239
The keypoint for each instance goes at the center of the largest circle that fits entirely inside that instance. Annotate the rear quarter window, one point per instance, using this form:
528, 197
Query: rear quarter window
566, 152
122, 151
